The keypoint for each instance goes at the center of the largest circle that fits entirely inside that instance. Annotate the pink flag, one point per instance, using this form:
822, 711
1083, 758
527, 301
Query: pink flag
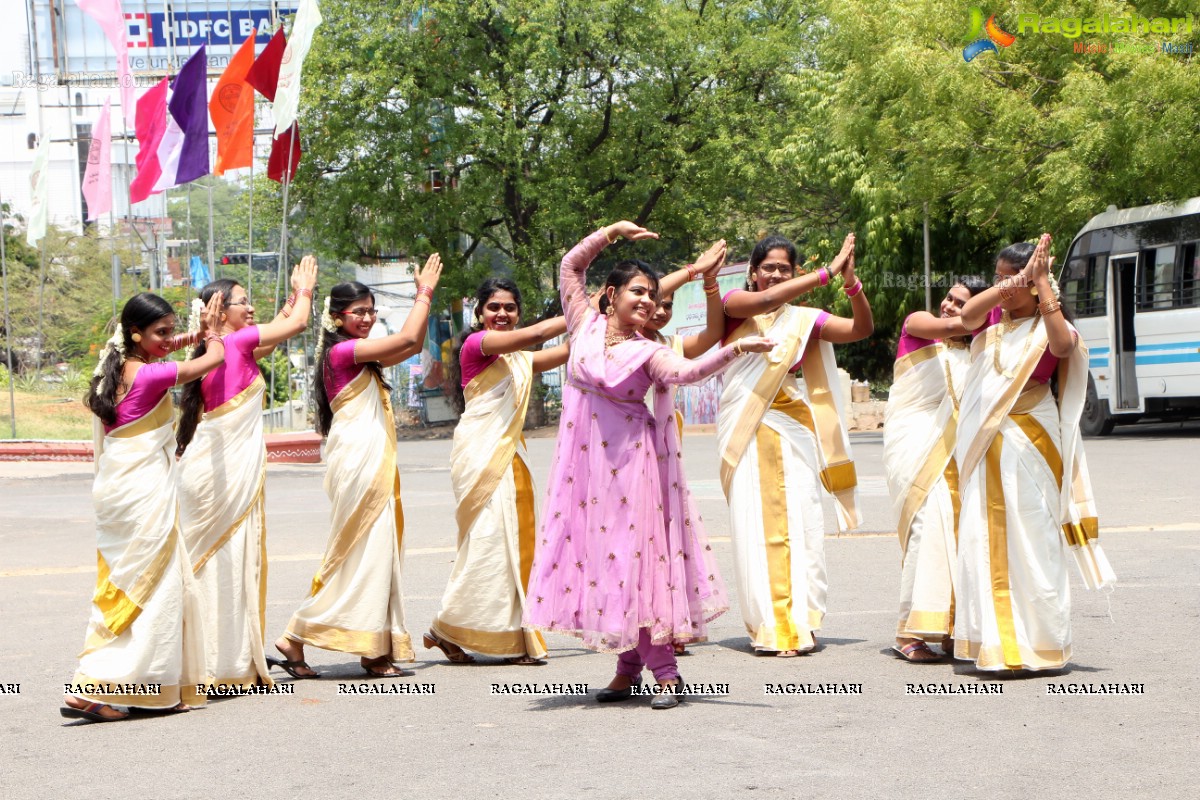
97, 179
150, 125
111, 18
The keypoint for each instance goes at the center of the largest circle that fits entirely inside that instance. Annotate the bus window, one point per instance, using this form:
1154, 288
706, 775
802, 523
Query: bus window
1189, 283
1083, 286
1156, 279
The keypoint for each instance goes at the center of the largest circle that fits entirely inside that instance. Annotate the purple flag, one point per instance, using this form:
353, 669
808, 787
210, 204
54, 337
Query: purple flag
189, 107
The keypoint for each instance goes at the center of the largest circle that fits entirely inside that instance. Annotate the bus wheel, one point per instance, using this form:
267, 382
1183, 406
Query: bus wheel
1095, 419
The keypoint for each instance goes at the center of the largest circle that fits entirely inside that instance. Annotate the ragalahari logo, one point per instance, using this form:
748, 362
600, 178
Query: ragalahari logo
984, 36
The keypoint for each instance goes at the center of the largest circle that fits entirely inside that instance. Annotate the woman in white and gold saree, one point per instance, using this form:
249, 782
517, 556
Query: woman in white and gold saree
919, 432
222, 479
356, 602
1026, 497
781, 444
144, 647
484, 599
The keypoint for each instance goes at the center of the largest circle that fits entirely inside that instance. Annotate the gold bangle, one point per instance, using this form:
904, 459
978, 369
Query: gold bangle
1049, 307
737, 349
611, 238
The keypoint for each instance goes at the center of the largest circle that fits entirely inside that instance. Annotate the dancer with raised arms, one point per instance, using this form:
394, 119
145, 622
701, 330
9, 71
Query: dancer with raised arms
222, 478
356, 602
780, 444
1026, 497
622, 561
144, 647
493, 488
919, 433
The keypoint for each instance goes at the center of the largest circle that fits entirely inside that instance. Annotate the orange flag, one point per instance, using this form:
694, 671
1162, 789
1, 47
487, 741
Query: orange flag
232, 112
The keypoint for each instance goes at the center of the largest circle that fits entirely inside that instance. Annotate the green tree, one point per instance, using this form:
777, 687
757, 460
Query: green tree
515, 128
1033, 137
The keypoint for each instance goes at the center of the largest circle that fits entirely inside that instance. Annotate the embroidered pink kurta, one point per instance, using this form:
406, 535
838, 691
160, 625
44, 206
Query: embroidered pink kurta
622, 546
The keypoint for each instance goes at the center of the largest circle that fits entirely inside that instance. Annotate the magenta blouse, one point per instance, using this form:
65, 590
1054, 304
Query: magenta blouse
472, 360
340, 368
150, 385
237, 371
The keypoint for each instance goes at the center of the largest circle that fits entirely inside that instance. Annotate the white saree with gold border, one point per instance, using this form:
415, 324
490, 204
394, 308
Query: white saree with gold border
222, 477
145, 639
919, 434
1026, 502
779, 446
356, 604
485, 597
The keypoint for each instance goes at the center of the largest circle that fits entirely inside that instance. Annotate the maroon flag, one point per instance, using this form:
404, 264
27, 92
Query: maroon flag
264, 74
282, 146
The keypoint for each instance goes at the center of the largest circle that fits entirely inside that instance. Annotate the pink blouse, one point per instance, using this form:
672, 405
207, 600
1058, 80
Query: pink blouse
340, 368
909, 343
471, 358
732, 324
150, 385
236, 373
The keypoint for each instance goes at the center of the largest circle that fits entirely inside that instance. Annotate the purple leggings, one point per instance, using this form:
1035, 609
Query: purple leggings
659, 658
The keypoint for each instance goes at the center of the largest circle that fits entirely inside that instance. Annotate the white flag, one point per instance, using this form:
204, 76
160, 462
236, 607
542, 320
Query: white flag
287, 93
39, 193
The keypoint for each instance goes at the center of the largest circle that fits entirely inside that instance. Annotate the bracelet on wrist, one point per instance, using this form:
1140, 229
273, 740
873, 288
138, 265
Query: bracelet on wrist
611, 237
823, 275
304, 291
291, 301
851, 291
425, 291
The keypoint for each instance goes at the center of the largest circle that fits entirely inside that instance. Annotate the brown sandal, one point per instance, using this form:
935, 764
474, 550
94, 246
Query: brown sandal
453, 653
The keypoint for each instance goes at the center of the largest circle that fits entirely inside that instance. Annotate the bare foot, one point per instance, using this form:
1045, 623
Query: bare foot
382, 667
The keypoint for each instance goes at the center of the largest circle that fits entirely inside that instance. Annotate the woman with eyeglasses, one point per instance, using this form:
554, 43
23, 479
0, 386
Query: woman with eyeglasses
145, 628
493, 377
222, 477
781, 444
623, 562
356, 602
1026, 497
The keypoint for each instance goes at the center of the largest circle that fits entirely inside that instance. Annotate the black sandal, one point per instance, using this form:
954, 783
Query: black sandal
290, 668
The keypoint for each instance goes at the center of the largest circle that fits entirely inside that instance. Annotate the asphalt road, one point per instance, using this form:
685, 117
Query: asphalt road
464, 741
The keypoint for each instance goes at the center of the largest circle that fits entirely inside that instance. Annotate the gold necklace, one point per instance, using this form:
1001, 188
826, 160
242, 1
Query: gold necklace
611, 339
1008, 324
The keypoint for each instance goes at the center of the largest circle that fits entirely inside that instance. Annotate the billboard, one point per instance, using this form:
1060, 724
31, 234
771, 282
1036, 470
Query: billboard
71, 49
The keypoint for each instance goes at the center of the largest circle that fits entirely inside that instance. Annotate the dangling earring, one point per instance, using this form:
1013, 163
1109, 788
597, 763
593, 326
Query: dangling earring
337, 323
1033, 290
136, 337
609, 310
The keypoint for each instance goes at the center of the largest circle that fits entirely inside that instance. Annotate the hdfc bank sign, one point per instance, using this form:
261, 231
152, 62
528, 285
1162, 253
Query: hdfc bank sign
158, 30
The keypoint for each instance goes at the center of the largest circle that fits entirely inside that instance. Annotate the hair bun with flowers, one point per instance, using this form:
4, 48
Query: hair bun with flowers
115, 343
195, 315
327, 319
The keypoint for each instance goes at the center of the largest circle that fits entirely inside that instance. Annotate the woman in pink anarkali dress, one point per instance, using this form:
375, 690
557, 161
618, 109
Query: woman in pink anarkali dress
622, 561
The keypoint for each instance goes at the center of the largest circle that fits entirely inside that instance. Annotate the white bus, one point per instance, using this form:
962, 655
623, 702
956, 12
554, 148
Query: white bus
1132, 278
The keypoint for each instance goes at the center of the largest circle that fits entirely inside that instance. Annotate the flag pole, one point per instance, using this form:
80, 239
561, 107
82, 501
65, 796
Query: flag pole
12, 397
250, 255
283, 242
